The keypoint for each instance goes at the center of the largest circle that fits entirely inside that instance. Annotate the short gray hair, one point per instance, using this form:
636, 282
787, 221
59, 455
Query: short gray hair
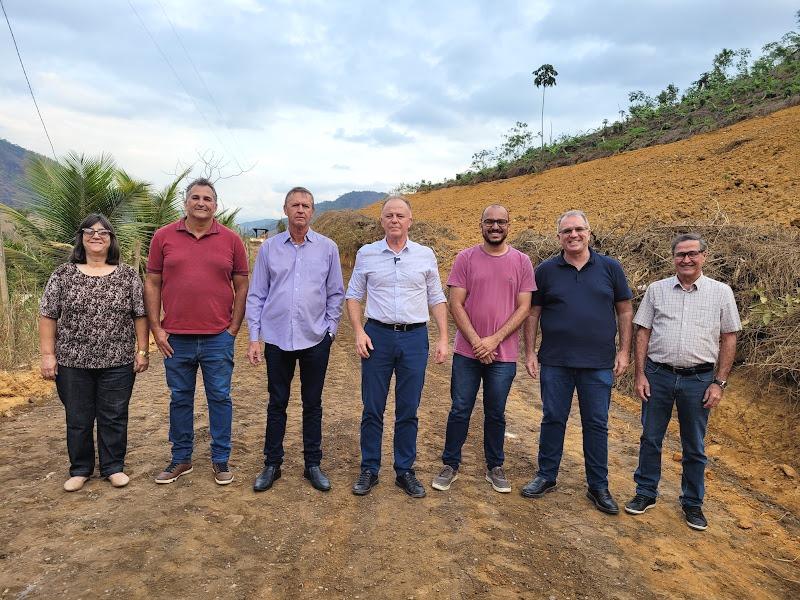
299, 190
201, 181
571, 213
395, 197
689, 237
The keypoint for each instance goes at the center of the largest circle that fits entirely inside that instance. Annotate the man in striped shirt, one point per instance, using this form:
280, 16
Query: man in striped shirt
685, 347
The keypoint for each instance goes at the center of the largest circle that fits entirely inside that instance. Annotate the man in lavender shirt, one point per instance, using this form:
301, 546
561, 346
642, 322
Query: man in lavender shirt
294, 305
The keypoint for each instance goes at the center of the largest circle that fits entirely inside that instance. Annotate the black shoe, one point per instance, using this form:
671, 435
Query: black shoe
603, 500
639, 504
365, 482
268, 476
409, 483
317, 478
695, 518
538, 487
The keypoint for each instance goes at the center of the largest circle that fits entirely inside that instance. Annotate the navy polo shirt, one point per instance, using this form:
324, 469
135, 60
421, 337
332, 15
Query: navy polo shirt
579, 322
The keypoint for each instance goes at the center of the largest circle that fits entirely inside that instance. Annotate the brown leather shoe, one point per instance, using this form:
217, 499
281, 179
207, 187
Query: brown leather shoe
173, 471
222, 474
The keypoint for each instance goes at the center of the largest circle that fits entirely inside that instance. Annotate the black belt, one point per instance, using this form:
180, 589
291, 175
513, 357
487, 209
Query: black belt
695, 370
397, 326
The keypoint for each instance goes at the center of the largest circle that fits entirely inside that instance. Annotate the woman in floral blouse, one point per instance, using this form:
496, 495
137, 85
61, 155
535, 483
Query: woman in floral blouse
93, 339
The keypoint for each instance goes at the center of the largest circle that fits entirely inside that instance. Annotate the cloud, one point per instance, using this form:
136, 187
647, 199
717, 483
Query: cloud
379, 136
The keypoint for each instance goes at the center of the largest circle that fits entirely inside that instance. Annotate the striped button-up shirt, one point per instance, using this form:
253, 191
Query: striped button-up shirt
296, 291
399, 286
686, 324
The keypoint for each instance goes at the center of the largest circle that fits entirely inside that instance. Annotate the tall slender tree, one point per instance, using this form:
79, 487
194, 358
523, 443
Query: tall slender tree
544, 77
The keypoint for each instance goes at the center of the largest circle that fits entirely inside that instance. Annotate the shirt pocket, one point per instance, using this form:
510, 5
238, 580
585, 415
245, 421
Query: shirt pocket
411, 280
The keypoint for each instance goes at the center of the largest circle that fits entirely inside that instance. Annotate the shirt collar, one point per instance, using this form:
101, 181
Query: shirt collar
563, 262
311, 236
214, 226
699, 282
384, 246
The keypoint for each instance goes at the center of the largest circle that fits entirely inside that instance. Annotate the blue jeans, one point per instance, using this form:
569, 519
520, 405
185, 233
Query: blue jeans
594, 399
465, 380
280, 372
686, 392
102, 395
214, 355
404, 353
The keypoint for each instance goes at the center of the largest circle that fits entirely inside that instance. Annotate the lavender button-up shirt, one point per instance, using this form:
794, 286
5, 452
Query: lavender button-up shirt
296, 292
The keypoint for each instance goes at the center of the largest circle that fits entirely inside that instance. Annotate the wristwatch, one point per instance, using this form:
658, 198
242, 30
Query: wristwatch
145, 353
722, 383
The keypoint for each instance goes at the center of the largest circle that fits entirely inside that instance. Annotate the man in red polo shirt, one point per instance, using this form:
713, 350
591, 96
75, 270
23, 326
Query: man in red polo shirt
197, 270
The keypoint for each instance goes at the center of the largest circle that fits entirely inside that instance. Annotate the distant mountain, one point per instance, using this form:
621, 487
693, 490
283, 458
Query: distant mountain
13, 162
350, 200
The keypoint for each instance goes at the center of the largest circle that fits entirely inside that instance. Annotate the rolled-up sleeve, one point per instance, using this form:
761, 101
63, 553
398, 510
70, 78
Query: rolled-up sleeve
434, 282
334, 286
646, 313
357, 286
257, 293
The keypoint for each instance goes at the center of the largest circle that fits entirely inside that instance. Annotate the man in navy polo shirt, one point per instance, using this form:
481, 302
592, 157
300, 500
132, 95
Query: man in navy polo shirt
582, 302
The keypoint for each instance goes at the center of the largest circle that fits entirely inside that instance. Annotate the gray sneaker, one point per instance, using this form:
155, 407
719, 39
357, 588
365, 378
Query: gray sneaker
445, 477
498, 480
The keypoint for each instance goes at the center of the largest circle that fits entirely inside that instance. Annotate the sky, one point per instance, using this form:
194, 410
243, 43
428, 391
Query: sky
339, 96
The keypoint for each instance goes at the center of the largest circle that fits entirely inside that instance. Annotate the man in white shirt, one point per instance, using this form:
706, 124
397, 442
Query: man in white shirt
400, 279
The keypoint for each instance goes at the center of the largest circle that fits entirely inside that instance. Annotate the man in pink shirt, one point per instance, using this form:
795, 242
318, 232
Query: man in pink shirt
490, 297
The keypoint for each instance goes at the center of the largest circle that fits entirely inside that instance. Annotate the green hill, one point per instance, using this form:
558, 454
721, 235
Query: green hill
13, 162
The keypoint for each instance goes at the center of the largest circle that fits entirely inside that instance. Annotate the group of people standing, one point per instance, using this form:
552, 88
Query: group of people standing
94, 338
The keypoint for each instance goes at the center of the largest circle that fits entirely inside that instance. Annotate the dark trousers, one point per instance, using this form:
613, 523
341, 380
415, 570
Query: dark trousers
102, 395
465, 380
686, 393
404, 353
594, 400
280, 371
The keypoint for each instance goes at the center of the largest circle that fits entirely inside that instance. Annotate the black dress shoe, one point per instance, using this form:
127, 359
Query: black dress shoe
365, 482
538, 487
317, 478
409, 483
267, 477
603, 500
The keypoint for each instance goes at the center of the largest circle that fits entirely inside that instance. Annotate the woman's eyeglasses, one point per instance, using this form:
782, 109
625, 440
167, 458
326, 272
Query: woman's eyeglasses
102, 233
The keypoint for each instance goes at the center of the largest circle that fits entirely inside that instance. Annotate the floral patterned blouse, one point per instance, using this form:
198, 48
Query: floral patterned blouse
95, 316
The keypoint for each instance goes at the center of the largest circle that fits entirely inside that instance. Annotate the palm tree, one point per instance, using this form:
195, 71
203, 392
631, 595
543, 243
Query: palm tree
544, 77
64, 193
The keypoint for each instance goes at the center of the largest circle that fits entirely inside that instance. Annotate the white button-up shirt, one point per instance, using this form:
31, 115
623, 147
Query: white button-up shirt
399, 286
686, 324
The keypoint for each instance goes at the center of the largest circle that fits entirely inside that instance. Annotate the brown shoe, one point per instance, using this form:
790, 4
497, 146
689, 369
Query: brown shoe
222, 474
173, 471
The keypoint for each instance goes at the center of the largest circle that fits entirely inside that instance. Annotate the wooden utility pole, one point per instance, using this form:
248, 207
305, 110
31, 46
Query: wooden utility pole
4, 299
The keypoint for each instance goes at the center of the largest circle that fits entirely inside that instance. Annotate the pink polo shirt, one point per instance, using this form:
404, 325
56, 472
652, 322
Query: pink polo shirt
196, 276
492, 284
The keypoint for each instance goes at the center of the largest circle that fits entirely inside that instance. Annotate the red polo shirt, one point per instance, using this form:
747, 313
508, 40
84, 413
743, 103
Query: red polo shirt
196, 276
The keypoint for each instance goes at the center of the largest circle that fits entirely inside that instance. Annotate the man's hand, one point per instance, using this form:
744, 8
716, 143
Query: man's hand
489, 359
49, 367
532, 365
140, 363
442, 351
713, 396
621, 363
233, 331
642, 387
485, 346
254, 354
162, 341
363, 344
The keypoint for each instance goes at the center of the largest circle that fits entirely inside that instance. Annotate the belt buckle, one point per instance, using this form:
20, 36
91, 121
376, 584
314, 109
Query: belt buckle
399, 327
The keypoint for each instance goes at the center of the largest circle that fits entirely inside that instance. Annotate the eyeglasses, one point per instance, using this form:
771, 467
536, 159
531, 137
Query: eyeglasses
491, 222
577, 230
90, 233
689, 254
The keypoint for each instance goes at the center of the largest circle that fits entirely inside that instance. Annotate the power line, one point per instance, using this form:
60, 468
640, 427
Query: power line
200, 77
30, 87
178, 77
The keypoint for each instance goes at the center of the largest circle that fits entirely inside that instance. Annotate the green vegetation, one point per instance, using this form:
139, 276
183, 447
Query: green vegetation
734, 89
42, 234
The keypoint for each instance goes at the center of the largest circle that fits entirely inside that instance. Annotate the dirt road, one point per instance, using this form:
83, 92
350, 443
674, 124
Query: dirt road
195, 539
